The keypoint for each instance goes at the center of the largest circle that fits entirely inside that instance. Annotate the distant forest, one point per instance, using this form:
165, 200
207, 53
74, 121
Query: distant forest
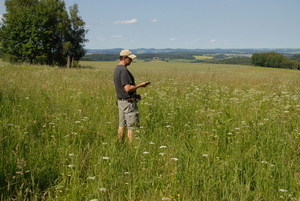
287, 58
283, 58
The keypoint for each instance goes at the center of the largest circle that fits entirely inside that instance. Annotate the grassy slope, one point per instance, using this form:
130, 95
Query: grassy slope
209, 132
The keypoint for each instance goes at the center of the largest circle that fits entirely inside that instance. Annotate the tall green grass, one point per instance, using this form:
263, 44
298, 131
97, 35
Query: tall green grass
208, 132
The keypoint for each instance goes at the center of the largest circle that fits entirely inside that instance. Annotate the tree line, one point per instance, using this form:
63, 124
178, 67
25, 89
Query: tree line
268, 59
145, 57
236, 60
275, 60
42, 32
100, 57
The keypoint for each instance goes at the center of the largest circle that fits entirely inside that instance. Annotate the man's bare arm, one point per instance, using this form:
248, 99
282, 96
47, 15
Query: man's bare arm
130, 88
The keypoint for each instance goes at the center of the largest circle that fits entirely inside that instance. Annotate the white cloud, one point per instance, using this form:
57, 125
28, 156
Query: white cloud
116, 36
154, 20
126, 21
213, 40
1, 16
173, 39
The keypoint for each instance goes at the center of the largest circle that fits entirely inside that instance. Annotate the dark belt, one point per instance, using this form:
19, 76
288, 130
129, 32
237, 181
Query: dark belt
128, 99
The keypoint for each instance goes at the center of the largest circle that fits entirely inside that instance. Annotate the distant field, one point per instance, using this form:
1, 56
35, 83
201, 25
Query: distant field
208, 132
203, 57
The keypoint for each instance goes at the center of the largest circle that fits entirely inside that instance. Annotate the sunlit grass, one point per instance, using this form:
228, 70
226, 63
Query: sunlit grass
208, 132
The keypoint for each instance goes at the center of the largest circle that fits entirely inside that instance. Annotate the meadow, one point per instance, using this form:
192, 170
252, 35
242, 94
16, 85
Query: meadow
208, 132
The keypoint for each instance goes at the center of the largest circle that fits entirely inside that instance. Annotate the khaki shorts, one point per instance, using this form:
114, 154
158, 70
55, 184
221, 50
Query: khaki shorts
128, 114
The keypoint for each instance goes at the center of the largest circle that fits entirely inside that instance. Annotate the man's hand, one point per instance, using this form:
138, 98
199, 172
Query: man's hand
130, 88
144, 84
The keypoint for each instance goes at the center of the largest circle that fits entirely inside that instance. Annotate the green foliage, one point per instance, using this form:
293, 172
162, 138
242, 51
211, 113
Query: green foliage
41, 32
220, 56
76, 40
236, 60
295, 57
273, 59
101, 57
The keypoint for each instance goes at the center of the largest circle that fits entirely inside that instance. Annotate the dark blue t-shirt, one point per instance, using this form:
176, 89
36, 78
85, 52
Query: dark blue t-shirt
122, 76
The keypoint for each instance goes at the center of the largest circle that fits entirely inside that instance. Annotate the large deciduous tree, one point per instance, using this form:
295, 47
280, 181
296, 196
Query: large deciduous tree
42, 32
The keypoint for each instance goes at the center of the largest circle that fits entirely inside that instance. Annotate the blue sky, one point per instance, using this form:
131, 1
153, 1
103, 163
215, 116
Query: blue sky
189, 24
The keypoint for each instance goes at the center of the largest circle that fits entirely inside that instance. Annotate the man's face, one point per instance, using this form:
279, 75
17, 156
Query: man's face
127, 61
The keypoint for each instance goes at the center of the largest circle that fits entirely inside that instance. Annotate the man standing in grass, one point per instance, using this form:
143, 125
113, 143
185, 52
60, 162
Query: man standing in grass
126, 94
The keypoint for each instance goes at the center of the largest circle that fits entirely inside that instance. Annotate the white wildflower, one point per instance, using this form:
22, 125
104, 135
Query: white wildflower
205, 155
161, 147
126, 172
94, 200
91, 178
151, 143
166, 198
71, 165
174, 159
105, 158
145, 152
264, 162
102, 189
162, 154
283, 190
77, 122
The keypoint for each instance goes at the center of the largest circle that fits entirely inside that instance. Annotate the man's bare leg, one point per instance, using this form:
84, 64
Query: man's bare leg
121, 133
130, 135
